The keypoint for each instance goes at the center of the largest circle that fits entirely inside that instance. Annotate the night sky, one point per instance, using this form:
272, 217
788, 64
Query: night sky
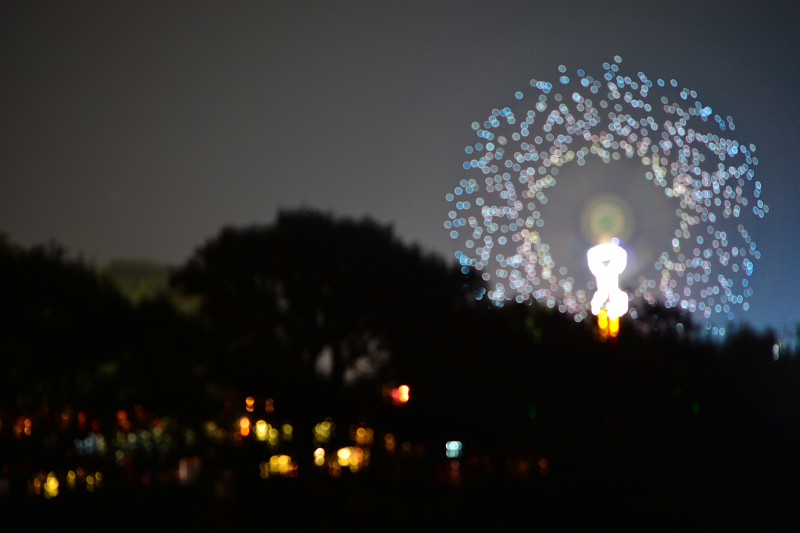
138, 129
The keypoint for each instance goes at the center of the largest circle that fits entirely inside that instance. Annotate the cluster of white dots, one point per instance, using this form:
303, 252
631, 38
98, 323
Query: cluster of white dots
685, 148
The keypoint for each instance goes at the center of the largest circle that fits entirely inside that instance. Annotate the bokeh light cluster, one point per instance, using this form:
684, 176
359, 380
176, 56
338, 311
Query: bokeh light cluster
686, 150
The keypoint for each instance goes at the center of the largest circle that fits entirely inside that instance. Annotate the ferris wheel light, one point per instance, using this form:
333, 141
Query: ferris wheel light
607, 261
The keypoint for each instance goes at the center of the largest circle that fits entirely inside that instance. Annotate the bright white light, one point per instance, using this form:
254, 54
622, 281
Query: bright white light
607, 261
453, 449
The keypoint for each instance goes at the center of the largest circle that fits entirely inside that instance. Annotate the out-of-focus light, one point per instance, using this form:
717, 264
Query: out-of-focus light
269, 405
278, 465
51, 486
212, 431
602, 325
244, 426
613, 327
261, 430
35, 485
102, 445
607, 327
602, 319
776, 351
71, 479
453, 449
122, 419
353, 457
455, 471
344, 456
319, 456
272, 437
607, 261
287, 431
323, 430
362, 436
661, 141
249, 404
544, 465
23, 427
188, 469
390, 442
89, 445
400, 395
403, 393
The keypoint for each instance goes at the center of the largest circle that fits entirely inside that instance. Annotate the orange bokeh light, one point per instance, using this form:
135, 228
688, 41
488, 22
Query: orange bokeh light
244, 426
400, 395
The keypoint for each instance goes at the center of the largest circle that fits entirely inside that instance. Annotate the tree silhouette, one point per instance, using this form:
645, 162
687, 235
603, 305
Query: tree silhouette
59, 320
287, 296
71, 338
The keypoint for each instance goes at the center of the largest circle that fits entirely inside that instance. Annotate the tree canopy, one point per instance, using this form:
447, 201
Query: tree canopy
311, 287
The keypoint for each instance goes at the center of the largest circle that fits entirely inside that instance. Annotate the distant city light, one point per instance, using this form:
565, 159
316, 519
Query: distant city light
453, 449
261, 430
400, 395
363, 436
319, 456
244, 426
280, 465
352, 457
51, 486
390, 443
323, 430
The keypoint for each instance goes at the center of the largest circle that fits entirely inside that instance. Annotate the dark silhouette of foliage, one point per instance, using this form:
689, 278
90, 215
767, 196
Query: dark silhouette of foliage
281, 295
70, 337
661, 422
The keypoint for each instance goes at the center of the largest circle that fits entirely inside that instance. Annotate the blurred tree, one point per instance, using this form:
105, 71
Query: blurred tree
69, 337
58, 319
312, 292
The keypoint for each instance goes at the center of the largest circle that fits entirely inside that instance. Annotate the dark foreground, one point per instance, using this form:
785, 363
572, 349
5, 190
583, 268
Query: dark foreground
649, 499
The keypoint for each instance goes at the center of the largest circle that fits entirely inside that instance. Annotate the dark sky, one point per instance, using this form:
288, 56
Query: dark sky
138, 129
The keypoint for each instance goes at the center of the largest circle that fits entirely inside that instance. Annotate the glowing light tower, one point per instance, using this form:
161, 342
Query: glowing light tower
607, 261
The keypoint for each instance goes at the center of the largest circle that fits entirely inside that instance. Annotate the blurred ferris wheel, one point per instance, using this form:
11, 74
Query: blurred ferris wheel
584, 160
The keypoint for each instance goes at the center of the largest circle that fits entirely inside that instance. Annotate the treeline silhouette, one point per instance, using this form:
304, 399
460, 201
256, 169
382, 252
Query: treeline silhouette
662, 427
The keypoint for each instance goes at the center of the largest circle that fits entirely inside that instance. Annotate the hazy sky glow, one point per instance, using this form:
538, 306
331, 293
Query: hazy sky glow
137, 129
